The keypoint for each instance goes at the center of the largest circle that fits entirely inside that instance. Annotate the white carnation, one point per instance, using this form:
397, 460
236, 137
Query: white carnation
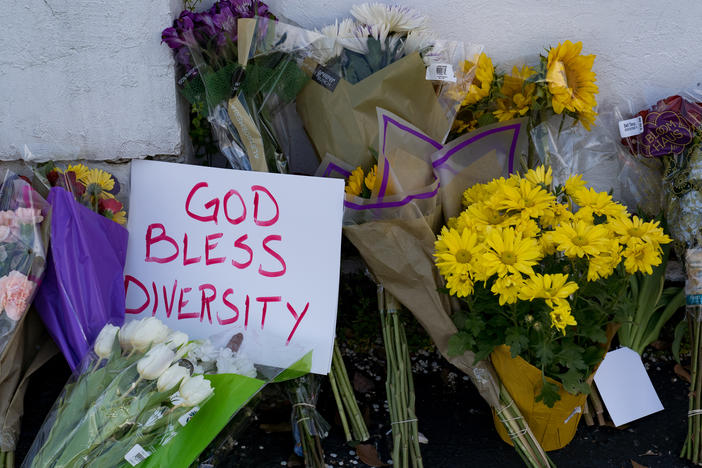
229, 362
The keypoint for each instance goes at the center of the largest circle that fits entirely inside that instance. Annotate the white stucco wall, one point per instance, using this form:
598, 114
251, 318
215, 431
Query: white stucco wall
87, 79
645, 49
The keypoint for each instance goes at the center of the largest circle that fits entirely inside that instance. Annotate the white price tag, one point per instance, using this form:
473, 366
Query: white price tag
136, 455
183, 420
631, 127
440, 72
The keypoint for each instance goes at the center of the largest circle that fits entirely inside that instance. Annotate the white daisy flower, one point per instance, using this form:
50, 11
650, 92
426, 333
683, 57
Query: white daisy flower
390, 18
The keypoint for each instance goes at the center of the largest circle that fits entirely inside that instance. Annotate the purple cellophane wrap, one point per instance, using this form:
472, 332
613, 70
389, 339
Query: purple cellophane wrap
83, 288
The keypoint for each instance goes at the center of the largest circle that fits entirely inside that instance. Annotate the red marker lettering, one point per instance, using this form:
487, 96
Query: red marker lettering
151, 240
239, 243
130, 279
209, 246
182, 303
153, 286
270, 222
274, 254
297, 318
206, 300
265, 301
246, 315
169, 308
234, 308
225, 205
186, 260
212, 203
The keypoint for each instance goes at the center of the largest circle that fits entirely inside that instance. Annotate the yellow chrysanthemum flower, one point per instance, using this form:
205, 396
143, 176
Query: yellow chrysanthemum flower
354, 184
548, 246
475, 194
580, 238
634, 229
555, 215
641, 256
482, 214
484, 74
528, 227
80, 170
574, 184
540, 175
599, 202
509, 253
98, 183
603, 264
507, 288
570, 78
531, 200
456, 251
554, 289
561, 317
120, 217
460, 285
370, 178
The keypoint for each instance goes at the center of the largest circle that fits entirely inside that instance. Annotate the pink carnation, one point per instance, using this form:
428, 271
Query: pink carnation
15, 294
29, 215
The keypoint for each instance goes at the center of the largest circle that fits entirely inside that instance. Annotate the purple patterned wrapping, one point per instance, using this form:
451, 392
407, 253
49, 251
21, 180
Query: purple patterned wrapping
83, 288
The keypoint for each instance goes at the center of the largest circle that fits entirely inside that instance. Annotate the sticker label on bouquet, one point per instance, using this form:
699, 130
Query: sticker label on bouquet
441, 72
183, 420
631, 127
664, 133
325, 77
625, 387
218, 252
136, 455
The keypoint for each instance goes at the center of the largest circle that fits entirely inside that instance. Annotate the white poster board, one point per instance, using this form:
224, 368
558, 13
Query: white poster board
216, 252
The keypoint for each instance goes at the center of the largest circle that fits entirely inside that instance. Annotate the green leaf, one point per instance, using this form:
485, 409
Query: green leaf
515, 339
571, 357
460, 343
574, 382
474, 324
680, 331
549, 394
544, 354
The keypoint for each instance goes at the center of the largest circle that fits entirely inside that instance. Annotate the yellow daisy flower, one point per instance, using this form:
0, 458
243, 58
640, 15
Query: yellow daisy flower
574, 184
508, 252
476, 193
580, 238
456, 251
531, 200
554, 289
603, 264
459, 285
555, 215
80, 170
641, 256
120, 217
540, 175
599, 202
370, 178
484, 74
98, 183
634, 229
482, 214
355, 182
570, 78
561, 317
507, 288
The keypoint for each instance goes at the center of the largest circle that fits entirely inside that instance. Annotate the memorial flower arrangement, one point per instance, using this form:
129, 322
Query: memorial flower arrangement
543, 270
137, 389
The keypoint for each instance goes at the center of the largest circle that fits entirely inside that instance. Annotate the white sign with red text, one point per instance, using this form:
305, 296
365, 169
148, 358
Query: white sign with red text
216, 252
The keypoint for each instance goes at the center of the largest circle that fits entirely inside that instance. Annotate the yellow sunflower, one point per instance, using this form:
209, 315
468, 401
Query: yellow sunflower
518, 94
484, 74
570, 78
355, 182
579, 238
641, 256
456, 251
509, 253
561, 317
370, 178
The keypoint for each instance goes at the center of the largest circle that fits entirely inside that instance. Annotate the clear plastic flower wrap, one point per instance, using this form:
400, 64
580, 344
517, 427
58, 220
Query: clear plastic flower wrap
145, 395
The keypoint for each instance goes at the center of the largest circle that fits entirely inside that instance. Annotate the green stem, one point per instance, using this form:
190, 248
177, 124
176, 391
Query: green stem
340, 406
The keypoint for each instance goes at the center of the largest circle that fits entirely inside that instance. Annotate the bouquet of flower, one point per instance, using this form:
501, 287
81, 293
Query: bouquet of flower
22, 263
136, 393
561, 84
540, 281
386, 57
85, 233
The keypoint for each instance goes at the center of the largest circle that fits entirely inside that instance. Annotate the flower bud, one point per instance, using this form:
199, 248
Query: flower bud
538, 326
529, 318
105, 340
155, 362
172, 377
150, 331
176, 339
194, 390
126, 333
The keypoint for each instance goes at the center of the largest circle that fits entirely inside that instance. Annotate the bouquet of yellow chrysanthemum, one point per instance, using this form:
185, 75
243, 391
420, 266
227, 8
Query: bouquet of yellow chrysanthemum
543, 270
562, 83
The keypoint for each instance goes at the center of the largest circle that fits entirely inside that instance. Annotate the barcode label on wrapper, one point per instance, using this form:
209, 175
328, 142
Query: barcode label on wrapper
440, 72
136, 455
631, 127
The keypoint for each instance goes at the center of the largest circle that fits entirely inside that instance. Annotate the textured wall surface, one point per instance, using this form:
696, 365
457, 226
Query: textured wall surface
88, 79
645, 50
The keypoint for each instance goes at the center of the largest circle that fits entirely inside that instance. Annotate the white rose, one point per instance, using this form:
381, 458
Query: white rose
195, 390
155, 362
172, 377
105, 340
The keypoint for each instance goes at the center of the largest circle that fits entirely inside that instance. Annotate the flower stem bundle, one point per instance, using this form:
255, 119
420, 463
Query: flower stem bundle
306, 420
399, 385
354, 426
693, 291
